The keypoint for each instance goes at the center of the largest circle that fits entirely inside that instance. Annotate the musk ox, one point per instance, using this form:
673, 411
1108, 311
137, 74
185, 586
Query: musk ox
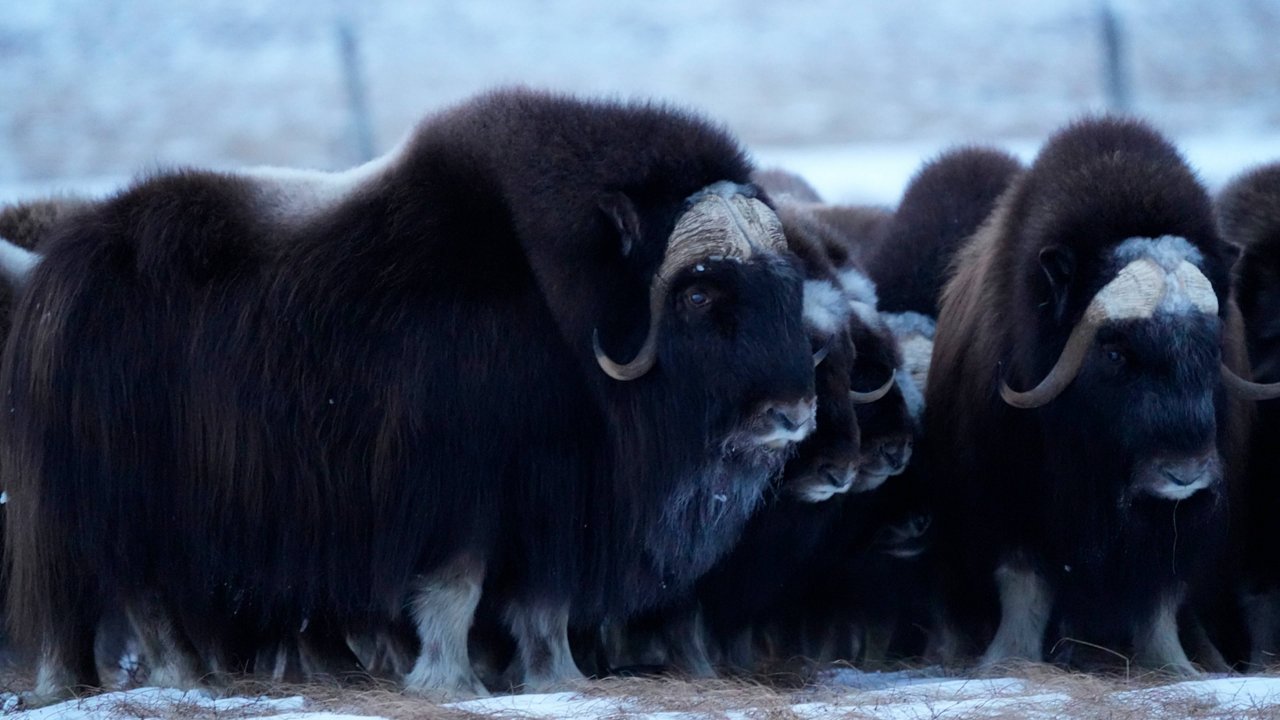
805, 523
943, 204
1249, 216
785, 186
548, 348
318, 650
798, 512
1081, 440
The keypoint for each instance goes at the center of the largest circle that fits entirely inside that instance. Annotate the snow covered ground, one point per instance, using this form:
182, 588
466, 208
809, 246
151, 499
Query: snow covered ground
844, 693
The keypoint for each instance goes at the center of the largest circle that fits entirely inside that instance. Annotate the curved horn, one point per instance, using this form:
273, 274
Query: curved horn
1248, 390
1135, 293
822, 353
722, 222
648, 354
862, 398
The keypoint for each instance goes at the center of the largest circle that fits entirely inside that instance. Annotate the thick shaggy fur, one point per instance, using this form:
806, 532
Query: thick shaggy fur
1249, 215
945, 202
778, 539
791, 540
237, 397
1046, 491
26, 225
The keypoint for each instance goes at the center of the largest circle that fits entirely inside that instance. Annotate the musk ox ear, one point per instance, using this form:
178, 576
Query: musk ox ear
622, 212
1058, 263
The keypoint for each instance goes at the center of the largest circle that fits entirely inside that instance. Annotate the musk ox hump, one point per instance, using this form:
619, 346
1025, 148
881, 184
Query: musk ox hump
1249, 208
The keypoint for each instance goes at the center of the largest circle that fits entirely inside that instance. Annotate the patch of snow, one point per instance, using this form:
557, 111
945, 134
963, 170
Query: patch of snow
904, 695
154, 702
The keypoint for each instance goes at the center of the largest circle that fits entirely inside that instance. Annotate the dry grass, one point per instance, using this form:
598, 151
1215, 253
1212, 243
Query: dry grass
799, 691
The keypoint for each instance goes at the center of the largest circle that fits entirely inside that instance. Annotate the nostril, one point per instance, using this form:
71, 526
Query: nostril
835, 475
792, 416
779, 416
1181, 478
891, 452
896, 453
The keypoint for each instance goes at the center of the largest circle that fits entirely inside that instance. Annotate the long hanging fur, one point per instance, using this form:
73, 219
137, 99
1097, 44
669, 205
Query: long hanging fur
1037, 490
1249, 216
267, 398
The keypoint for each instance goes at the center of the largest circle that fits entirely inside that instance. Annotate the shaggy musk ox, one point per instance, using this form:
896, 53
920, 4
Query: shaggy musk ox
547, 347
944, 203
1249, 215
782, 543
1082, 444
781, 535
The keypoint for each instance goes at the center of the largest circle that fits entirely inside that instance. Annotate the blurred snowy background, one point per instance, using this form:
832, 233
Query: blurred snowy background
854, 93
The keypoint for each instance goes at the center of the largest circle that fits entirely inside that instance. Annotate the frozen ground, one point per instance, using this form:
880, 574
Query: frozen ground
847, 693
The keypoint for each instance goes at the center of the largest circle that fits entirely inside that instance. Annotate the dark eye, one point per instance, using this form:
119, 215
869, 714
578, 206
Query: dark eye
697, 298
1114, 355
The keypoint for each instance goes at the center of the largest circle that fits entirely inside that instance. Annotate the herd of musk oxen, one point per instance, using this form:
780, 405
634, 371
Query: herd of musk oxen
561, 388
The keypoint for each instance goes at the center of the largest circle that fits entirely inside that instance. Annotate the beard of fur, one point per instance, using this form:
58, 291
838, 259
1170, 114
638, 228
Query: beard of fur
706, 511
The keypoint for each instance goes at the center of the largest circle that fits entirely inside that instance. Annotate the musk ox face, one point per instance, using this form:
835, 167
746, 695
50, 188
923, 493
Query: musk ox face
1151, 369
1154, 380
888, 426
725, 322
734, 329
826, 463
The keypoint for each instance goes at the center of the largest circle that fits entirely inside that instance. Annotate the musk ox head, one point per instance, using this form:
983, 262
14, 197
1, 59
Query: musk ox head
721, 287
1122, 285
886, 419
1249, 215
826, 463
726, 364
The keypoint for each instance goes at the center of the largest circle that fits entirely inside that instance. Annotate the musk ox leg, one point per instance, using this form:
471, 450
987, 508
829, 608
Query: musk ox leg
323, 652
67, 665
385, 653
543, 661
628, 646
740, 652
171, 658
1202, 648
944, 643
1025, 603
443, 608
878, 639
686, 641
1262, 616
1156, 642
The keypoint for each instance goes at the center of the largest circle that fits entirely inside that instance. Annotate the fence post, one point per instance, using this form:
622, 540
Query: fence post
357, 96
1115, 74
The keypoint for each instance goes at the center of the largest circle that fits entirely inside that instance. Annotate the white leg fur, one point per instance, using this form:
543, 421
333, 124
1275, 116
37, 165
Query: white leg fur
1156, 643
53, 682
443, 609
544, 660
172, 661
1025, 604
